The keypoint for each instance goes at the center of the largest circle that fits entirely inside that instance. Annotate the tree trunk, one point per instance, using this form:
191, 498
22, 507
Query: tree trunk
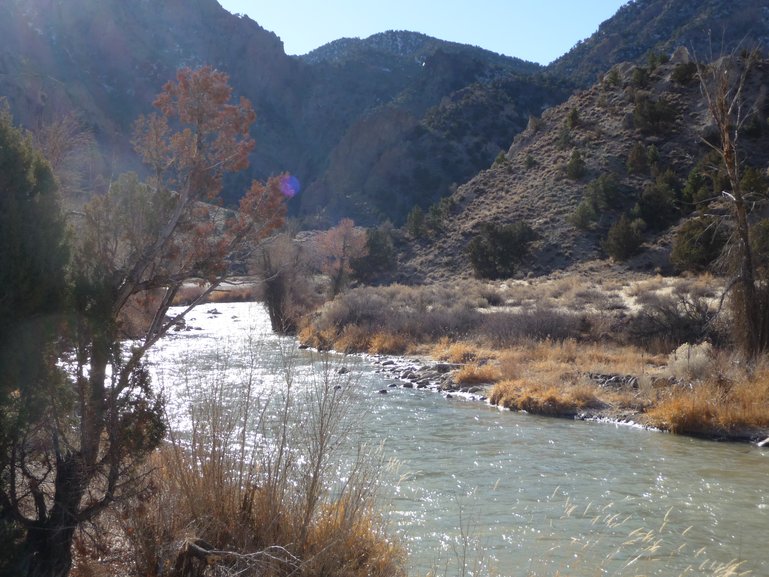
48, 545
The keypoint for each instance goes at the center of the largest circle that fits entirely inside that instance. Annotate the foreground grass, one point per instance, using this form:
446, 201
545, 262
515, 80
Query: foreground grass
567, 347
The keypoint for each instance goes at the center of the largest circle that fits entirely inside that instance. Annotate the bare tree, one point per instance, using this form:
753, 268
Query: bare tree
723, 85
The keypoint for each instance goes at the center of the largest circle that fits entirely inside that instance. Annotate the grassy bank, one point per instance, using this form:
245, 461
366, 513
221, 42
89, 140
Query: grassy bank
651, 349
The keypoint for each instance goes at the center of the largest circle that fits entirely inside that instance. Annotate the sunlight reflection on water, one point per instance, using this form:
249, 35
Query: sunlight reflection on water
520, 495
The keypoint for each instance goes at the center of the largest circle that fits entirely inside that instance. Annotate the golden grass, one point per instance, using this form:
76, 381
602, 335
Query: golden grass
715, 406
545, 399
388, 344
554, 359
475, 374
352, 339
346, 537
323, 340
460, 352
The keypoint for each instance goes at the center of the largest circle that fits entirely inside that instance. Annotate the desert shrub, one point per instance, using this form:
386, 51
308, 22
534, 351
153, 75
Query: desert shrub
691, 362
509, 328
534, 124
684, 73
576, 167
585, 215
652, 116
697, 244
623, 239
665, 321
499, 249
637, 161
529, 161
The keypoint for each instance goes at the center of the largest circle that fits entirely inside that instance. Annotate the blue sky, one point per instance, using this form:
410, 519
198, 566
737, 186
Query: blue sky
536, 30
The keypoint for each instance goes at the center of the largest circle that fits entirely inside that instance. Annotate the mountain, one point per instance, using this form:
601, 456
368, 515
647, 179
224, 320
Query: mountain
364, 124
371, 127
642, 137
643, 27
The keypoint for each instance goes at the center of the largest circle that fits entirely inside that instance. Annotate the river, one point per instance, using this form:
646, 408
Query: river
483, 491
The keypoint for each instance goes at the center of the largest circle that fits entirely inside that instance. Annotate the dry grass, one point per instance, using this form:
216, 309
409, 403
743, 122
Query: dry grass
475, 374
270, 509
352, 339
549, 378
554, 359
545, 399
718, 406
383, 343
460, 352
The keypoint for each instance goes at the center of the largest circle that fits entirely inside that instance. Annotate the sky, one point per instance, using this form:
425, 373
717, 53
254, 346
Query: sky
535, 30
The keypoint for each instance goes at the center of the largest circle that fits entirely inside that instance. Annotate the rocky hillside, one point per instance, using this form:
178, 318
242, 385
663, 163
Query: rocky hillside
362, 123
640, 135
642, 27
371, 127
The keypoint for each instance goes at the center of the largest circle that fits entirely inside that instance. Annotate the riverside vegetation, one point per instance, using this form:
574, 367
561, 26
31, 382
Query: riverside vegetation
569, 346
90, 466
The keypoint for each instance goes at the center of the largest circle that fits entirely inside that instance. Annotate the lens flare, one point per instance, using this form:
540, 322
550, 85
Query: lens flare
290, 186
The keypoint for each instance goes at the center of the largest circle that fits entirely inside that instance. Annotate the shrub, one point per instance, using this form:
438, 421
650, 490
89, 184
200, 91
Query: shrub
604, 192
759, 241
652, 116
576, 167
657, 203
691, 362
509, 328
379, 257
498, 249
623, 239
612, 78
637, 161
697, 244
666, 321
584, 215
572, 119
684, 73
415, 222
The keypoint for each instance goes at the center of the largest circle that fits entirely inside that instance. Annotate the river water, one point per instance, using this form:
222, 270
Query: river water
486, 492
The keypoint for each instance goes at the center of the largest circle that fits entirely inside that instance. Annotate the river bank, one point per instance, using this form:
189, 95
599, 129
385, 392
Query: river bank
623, 351
420, 372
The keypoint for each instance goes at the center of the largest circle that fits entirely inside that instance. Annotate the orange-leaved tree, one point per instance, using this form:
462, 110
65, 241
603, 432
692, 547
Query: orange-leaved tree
136, 246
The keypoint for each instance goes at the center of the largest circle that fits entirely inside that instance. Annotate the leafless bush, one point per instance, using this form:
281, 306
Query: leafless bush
666, 321
508, 328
